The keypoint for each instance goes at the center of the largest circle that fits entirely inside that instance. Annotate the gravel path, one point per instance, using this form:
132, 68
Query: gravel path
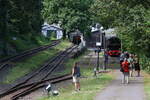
118, 91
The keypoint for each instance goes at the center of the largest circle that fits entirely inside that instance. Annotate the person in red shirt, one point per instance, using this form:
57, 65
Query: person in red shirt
125, 66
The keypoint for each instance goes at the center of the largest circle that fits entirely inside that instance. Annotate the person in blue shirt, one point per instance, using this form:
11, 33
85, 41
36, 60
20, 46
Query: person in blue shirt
122, 57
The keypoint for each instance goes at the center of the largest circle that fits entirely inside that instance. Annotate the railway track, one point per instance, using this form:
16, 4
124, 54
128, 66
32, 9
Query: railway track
7, 62
37, 79
40, 85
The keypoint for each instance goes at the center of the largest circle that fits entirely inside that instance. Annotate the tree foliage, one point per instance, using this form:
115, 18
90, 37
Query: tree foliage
73, 14
105, 12
18, 18
131, 18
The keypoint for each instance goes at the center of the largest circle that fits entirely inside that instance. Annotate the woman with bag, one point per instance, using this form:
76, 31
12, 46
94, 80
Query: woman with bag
125, 67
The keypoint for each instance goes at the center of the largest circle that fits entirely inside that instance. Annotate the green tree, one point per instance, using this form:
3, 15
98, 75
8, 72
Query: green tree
131, 18
19, 18
105, 12
4, 6
73, 14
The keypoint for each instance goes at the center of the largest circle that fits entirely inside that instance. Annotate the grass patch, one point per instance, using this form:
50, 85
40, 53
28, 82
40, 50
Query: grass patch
89, 85
69, 64
24, 67
147, 85
89, 88
22, 43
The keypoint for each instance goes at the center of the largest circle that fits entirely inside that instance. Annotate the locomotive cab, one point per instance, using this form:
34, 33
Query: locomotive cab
76, 40
76, 37
113, 46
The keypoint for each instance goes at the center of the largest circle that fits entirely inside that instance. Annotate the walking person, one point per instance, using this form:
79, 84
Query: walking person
121, 60
137, 66
105, 60
131, 66
76, 76
125, 67
126, 55
122, 56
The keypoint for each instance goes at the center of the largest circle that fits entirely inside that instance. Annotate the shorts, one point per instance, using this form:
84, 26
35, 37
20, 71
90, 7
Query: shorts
126, 73
76, 79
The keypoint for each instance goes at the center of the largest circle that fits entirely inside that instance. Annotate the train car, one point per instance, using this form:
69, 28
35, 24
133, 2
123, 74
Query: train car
76, 37
113, 45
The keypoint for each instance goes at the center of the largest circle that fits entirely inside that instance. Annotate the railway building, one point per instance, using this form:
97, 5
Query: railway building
53, 30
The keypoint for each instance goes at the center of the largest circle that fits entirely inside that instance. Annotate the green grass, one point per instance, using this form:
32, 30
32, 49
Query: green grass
89, 86
147, 85
69, 64
24, 67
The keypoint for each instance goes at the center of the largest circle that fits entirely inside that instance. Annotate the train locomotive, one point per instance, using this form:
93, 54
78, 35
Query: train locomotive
113, 45
77, 38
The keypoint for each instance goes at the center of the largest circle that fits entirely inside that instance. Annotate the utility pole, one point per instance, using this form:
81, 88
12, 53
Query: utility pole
97, 60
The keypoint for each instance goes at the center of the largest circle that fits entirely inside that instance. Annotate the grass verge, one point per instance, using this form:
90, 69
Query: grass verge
89, 88
147, 85
34, 62
90, 85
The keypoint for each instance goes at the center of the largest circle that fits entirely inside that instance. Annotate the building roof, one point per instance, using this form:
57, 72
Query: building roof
47, 26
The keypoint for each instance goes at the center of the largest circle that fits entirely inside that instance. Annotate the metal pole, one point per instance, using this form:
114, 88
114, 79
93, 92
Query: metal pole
104, 50
121, 41
98, 60
105, 62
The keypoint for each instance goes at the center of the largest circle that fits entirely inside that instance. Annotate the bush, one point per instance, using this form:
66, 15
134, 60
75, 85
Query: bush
145, 63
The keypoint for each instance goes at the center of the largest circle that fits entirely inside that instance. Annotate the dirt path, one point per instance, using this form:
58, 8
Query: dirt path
118, 91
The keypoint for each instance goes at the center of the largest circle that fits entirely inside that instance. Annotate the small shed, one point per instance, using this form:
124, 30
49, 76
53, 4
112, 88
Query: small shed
50, 30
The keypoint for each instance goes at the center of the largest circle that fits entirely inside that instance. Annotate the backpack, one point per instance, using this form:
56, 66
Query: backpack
121, 69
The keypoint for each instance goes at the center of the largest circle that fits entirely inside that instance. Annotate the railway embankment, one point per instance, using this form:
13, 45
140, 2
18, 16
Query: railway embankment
90, 85
32, 63
39, 77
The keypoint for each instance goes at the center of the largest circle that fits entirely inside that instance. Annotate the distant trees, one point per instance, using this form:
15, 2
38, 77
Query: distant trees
131, 18
73, 14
